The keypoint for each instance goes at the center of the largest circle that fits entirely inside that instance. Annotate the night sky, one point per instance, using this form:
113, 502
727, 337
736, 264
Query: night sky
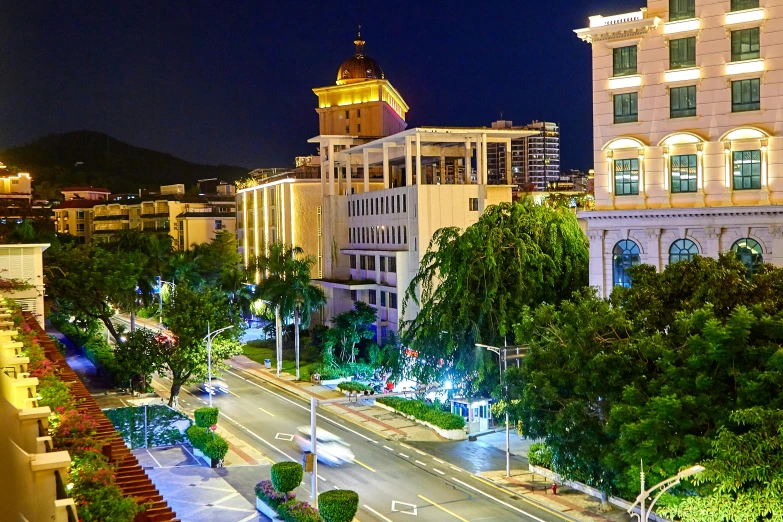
230, 81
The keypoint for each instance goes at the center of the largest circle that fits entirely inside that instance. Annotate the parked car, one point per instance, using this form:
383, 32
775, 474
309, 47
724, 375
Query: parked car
331, 449
218, 386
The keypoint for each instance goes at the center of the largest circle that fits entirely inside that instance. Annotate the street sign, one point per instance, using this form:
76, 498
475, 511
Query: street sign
213, 427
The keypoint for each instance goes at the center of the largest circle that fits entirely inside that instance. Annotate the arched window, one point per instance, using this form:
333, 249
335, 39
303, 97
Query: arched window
624, 256
749, 252
682, 250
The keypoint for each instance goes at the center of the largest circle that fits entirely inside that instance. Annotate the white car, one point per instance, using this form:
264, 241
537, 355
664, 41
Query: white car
218, 385
331, 449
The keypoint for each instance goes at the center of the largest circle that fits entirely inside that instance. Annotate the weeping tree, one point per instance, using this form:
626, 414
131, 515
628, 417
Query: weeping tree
472, 286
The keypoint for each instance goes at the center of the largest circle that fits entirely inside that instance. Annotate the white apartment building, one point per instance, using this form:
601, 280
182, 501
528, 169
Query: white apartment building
687, 98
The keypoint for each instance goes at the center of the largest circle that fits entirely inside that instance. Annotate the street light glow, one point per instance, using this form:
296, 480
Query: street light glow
690, 471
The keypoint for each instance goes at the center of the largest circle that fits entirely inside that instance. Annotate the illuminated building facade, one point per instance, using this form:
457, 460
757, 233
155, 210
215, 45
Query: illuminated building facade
687, 147
535, 159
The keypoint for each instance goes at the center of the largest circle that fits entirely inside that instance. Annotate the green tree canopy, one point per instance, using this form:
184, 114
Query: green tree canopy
349, 328
472, 286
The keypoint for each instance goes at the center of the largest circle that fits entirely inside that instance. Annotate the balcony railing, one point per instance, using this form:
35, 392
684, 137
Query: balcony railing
601, 21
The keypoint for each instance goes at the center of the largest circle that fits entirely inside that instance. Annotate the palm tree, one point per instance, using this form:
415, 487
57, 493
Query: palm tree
307, 297
183, 267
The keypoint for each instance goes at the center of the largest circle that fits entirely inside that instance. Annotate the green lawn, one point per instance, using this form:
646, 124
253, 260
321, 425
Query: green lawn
260, 350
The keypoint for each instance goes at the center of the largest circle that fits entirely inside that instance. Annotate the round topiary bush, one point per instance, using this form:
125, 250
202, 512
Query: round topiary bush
286, 476
206, 417
216, 448
338, 505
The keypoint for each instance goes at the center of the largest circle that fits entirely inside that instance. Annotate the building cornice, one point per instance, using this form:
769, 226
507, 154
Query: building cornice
674, 213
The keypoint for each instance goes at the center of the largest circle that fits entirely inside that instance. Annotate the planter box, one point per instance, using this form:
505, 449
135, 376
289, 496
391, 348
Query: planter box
584, 488
266, 510
335, 382
460, 434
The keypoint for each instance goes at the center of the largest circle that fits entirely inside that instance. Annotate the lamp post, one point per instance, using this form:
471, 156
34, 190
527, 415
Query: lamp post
503, 358
665, 485
160, 296
208, 338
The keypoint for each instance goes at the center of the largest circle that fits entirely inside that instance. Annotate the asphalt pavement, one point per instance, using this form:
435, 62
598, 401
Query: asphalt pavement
395, 481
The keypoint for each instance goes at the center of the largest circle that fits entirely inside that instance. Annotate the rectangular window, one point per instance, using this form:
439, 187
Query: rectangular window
363, 262
354, 295
681, 9
218, 224
683, 169
392, 265
682, 101
626, 177
372, 234
405, 234
80, 214
80, 227
386, 211
747, 169
745, 44
67, 228
358, 113
398, 203
624, 61
353, 260
383, 264
371, 298
347, 114
383, 298
682, 53
347, 129
626, 107
741, 5
473, 204
392, 204
358, 127
370, 262
746, 95
392, 301
404, 203
394, 237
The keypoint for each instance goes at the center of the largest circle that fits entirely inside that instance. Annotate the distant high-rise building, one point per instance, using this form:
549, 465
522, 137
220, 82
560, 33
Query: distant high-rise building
535, 160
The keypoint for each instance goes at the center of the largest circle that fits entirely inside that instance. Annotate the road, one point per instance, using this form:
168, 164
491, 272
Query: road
395, 481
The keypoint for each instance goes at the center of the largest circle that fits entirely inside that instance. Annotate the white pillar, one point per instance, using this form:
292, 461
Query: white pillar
366, 158
509, 178
331, 169
418, 159
386, 183
484, 158
654, 248
467, 161
597, 262
349, 177
408, 162
323, 174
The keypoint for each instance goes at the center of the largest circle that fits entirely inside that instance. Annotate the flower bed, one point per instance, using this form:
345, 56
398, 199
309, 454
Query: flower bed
351, 387
422, 411
165, 426
275, 506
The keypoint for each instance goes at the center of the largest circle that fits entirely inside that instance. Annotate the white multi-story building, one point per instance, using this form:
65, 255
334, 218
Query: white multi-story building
687, 97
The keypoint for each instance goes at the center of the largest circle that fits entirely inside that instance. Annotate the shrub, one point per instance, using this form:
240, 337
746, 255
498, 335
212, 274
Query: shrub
286, 476
297, 511
353, 387
426, 412
338, 505
206, 417
540, 454
216, 448
266, 492
198, 437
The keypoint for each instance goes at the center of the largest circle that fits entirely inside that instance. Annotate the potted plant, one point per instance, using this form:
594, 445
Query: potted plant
338, 505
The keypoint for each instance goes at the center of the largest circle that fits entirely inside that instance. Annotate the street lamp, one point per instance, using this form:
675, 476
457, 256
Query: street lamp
665, 485
161, 282
208, 338
503, 358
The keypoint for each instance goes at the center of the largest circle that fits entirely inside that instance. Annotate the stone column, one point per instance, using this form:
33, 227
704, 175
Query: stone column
653, 248
597, 261
408, 161
386, 181
468, 155
509, 178
418, 160
331, 169
777, 244
712, 248
349, 177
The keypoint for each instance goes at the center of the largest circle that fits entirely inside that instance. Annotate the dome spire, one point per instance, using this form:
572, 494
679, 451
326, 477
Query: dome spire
359, 43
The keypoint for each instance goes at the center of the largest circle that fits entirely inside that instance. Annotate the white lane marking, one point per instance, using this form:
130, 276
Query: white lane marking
455, 469
438, 460
404, 455
371, 510
388, 448
420, 463
413, 511
498, 500
306, 408
436, 470
284, 436
268, 413
320, 477
420, 452
153, 458
286, 455
405, 445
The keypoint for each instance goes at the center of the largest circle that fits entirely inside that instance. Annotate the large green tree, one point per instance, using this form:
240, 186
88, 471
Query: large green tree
657, 374
349, 328
472, 286
189, 314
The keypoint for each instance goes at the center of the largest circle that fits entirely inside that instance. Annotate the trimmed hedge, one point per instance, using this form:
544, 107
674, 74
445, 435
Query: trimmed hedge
338, 505
198, 437
540, 454
216, 448
426, 412
286, 476
353, 387
206, 417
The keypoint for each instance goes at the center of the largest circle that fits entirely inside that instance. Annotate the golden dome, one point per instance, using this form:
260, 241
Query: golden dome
359, 67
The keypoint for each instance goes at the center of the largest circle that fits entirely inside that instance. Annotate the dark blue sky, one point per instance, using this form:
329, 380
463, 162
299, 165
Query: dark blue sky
230, 81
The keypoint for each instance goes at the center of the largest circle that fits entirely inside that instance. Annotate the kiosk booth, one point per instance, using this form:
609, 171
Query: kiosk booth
475, 411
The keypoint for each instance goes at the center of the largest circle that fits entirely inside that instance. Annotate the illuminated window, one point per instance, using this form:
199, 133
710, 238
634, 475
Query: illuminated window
746, 95
682, 101
741, 5
626, 177
745, 44
747, 169
682, 250
681, 9
624, 256
624, 61
473, 204
626, 107
749, 252
682, 53
683, 169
